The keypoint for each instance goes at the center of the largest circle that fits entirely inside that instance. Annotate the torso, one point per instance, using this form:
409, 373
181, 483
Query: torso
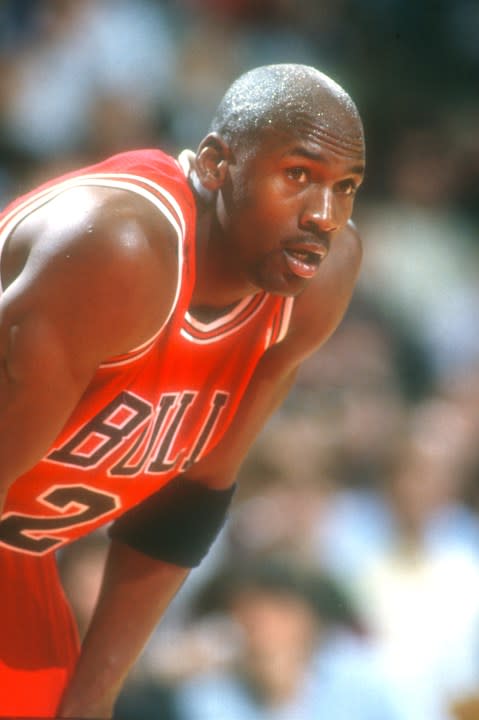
150, 414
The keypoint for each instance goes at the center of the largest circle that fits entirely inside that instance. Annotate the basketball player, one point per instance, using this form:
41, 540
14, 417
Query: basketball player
154, 313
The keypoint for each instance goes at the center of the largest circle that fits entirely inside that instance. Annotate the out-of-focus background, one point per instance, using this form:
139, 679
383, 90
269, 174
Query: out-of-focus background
346, 582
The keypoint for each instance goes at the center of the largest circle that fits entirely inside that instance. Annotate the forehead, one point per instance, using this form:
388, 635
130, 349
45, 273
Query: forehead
310, 137
340, 130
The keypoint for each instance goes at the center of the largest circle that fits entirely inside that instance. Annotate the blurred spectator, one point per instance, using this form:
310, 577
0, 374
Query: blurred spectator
421, 257
410, 556
200, 77
356, 391
297, 656
90, 80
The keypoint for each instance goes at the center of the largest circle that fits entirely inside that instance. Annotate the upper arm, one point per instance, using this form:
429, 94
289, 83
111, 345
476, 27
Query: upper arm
265, 392
90, 275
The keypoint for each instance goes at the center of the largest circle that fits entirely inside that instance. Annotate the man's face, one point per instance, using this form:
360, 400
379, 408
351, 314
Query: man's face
285, 200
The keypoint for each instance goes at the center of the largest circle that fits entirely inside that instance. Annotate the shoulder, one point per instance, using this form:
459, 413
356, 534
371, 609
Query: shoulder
103, 256
320, 308
153, 174
89, 225
148, 174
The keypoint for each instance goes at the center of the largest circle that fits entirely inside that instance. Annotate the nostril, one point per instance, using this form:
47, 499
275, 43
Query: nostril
310, 226
317, 224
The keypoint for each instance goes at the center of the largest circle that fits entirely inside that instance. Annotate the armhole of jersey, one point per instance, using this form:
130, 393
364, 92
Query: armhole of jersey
146, 188
285, 318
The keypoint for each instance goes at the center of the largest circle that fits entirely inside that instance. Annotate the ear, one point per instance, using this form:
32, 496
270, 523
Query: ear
212, 160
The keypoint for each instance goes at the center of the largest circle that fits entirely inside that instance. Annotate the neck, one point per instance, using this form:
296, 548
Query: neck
217, 284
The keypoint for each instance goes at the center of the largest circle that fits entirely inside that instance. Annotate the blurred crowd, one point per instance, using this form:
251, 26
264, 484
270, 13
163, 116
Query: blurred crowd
346, 581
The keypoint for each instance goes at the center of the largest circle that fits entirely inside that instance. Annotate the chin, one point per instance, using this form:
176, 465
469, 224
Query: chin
290, 286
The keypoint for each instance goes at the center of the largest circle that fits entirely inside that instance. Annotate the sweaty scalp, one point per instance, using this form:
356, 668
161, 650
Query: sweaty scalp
288, 97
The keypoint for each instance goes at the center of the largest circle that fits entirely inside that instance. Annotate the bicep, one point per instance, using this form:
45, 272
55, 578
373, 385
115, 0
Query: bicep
38, 389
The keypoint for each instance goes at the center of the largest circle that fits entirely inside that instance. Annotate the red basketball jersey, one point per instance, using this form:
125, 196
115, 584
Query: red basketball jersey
150, 414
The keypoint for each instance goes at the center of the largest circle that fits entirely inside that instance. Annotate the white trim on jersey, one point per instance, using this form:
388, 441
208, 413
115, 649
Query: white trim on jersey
43, 196
218, 324
222, 320
285, 320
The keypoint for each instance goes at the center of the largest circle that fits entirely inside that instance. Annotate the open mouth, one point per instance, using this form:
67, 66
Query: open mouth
304, 262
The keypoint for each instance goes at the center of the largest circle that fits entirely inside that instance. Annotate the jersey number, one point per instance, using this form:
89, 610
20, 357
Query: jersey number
32, 534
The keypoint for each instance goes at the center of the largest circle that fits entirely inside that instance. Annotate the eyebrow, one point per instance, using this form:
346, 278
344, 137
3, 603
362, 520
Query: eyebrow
320, 157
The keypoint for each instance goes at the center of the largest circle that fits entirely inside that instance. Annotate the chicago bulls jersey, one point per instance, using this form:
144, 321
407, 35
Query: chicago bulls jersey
150, 414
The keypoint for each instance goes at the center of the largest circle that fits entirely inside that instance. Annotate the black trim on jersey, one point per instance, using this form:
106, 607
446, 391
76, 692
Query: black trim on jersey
177, 524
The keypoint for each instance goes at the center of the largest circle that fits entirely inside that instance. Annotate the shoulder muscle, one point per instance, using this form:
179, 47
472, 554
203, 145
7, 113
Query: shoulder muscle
99, 264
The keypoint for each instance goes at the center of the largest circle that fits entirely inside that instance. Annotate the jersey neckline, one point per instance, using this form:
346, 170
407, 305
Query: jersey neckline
231, 317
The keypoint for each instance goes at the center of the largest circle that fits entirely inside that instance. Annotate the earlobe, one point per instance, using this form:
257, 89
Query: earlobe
206, 195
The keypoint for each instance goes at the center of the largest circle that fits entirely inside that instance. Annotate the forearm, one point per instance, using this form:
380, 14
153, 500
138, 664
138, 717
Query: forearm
136, 591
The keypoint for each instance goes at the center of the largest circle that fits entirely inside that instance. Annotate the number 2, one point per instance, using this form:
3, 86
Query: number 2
33, 534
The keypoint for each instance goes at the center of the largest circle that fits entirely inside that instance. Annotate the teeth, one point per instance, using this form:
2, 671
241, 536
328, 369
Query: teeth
302, 263
305, 256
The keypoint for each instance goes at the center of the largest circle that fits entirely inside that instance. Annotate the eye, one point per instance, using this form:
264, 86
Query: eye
346, 187
298, 174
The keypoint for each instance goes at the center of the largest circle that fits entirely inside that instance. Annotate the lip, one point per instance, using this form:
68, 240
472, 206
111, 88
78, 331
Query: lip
304, 258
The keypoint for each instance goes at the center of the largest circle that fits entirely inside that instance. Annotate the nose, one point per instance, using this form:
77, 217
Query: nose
319, 213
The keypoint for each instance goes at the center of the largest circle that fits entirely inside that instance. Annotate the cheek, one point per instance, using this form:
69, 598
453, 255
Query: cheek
259, 217
273, 212
260, 208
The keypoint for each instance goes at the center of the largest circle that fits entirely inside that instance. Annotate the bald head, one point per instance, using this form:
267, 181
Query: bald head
286, 97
